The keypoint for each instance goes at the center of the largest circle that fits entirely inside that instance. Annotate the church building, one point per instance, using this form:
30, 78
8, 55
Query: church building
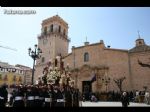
95, 60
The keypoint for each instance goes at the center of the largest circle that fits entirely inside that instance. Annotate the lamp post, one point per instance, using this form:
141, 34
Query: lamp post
34, 54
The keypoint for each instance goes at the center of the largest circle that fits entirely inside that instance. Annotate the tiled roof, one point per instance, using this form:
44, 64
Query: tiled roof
140, 48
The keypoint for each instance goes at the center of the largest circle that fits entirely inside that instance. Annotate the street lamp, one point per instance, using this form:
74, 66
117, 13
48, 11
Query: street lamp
34, 54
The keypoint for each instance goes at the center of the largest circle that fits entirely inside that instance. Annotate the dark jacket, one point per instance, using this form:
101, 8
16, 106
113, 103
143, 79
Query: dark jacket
18, 103
3, 96
125, 100
30, 98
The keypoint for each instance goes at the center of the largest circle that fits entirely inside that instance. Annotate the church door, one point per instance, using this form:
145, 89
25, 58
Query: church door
86, 89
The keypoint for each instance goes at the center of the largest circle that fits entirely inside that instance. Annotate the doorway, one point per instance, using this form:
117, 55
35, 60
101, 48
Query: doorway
86, 89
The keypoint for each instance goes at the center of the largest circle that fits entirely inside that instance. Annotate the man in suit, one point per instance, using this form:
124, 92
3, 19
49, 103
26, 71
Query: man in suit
3, 96
125, 99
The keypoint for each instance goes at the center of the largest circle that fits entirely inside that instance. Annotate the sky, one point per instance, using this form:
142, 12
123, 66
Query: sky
116, 26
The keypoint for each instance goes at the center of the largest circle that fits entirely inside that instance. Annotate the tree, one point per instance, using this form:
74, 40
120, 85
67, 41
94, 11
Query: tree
119, 82
143, 64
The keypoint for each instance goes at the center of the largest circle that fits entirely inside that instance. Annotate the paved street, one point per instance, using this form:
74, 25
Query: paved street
111, 104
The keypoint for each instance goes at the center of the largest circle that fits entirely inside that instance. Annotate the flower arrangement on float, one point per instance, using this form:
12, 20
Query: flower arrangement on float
55, 73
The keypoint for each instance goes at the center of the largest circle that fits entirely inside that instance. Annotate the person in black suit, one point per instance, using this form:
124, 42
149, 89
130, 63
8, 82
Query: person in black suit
125, 99
3, 96
68, 97
30, 96
18, 97
59, 96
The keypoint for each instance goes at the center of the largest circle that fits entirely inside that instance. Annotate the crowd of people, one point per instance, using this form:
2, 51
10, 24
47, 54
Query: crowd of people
61, 96
130, 96
134, 96
39, 96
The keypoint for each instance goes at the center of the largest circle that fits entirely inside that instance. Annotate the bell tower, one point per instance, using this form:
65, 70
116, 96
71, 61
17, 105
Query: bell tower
53, 41
139, 41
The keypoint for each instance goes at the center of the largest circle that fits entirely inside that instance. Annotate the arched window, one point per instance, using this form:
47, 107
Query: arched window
51, 28
56, 62
64, 32
45, 30
59, 30
86, 57
140, 42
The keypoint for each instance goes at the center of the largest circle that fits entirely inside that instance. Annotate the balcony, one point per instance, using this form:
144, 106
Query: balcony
39, 36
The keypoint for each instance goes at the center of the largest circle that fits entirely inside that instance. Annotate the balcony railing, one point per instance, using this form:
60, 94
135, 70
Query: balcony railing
49, 33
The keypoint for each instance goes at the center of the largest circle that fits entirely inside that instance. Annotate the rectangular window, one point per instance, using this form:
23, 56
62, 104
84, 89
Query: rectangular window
43, 60
45, 41
2, 70
21, 72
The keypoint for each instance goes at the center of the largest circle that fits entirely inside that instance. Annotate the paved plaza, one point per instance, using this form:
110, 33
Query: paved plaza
111, 104
105, 104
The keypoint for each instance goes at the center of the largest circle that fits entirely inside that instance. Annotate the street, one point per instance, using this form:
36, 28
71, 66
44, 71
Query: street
111, 104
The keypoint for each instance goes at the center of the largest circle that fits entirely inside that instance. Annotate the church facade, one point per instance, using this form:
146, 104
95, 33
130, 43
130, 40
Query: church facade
94, 60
